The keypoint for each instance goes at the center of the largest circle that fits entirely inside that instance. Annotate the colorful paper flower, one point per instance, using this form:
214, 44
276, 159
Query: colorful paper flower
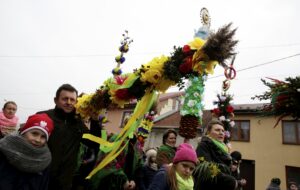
222, 118
186, 49
216, 111
229, 109
187, 66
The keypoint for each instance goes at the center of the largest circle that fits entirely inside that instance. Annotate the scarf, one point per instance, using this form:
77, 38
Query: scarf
153, 166
4, 121
184, 184
222, 146
23, 155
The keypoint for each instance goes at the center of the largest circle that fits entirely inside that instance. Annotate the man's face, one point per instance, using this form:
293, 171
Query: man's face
66, 101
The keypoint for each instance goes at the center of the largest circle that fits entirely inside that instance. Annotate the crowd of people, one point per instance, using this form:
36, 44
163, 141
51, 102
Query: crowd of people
48, 152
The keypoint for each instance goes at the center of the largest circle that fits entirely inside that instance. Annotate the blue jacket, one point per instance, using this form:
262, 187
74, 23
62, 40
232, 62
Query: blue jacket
159, 181
146, 177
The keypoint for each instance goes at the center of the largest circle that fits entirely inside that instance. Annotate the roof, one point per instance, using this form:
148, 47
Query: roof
247, 108
169, 95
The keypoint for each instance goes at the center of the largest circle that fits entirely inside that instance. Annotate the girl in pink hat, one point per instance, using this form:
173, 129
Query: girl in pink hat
8, 118
178, 175
25, 157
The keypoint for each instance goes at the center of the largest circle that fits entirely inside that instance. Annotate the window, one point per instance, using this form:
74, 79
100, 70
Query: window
291, 132
292, 174
126, 115
241, 131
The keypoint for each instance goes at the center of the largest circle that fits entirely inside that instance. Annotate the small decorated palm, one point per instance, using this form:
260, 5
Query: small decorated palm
191, 112
188, 126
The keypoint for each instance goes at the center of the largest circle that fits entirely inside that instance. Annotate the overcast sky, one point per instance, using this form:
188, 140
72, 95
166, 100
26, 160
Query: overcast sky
44, 44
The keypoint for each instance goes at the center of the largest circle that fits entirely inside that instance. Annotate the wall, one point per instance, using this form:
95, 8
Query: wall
266, 148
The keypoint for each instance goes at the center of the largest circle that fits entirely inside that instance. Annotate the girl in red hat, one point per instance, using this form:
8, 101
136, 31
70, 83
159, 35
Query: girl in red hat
25, 157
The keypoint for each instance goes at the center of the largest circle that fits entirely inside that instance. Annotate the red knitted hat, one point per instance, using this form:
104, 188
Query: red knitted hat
38, 121
185, 152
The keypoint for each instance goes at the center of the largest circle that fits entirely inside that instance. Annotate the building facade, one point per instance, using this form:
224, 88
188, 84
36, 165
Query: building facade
267, 151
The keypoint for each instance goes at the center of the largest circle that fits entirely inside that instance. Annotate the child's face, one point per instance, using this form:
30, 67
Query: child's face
35, 137
234, 167
185, 169
10, 110
293, 187
153, 159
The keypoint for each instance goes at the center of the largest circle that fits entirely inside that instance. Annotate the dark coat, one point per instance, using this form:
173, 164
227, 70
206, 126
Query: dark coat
87, 159
64, 144
211, 153
146, 177
160, 181
13, 179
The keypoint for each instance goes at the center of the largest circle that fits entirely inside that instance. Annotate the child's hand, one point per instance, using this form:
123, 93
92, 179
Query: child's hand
129, 185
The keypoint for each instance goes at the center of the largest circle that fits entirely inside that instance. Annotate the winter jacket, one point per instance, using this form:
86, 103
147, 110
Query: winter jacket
13, 179
64, 145
159, 181
273, 186
210, 153
146, 177
87, 157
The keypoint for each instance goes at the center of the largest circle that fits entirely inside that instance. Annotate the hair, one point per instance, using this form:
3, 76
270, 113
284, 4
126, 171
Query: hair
149, 153
171, 177
211, 123
166, 134
9, 102
276, 180
66, 87
236, 155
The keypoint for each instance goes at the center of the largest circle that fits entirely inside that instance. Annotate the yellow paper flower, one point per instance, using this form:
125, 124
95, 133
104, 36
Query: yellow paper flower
199, 67
164, 84
152, 76
201, 159
214, 170
152, 71
204, 67
83, 105
210, 66
197, 43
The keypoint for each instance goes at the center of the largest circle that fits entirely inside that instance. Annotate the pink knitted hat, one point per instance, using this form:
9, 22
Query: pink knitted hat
185, 152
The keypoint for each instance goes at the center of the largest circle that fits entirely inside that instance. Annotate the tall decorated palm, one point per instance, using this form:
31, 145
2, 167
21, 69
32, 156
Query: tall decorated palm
219, 47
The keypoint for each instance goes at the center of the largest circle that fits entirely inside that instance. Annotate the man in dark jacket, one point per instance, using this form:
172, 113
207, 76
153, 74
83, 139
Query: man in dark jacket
235, 169
64, 143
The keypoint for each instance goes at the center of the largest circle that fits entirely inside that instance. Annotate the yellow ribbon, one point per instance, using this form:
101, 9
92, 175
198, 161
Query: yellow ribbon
142, 107
98, 140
